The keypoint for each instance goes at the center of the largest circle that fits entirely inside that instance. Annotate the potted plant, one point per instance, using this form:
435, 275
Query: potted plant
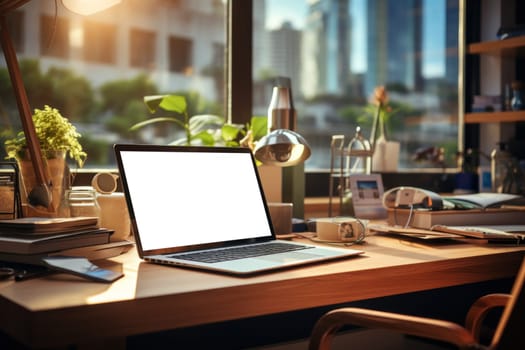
57, 138
203, 129
386, 152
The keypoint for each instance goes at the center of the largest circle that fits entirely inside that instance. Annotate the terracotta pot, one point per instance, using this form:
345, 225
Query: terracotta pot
57, 171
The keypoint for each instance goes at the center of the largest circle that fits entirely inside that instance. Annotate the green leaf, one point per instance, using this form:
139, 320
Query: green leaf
259, 127
152, 102
230, 132
174, 103
171, 103
206, 138
232, 144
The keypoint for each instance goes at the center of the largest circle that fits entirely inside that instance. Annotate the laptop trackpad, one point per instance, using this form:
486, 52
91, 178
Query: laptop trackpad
289, 257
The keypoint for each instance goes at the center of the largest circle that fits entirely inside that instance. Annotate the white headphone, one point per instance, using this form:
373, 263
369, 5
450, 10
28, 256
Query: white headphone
412, 197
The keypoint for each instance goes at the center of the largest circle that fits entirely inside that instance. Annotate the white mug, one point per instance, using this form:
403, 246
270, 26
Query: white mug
114, 215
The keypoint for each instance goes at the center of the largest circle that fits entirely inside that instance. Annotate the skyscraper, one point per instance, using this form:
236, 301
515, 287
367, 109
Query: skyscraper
394, 40
326, 48
285, 52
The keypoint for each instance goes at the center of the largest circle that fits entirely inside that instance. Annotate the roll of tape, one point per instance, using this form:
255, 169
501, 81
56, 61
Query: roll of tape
105, 182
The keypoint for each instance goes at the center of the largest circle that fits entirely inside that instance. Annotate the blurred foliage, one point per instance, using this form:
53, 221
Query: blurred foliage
58, 87
117, 94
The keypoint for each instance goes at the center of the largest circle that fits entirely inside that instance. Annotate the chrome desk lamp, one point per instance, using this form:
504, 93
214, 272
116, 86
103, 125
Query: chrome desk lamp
282, 146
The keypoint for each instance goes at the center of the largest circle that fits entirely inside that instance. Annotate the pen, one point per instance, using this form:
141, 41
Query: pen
26, 275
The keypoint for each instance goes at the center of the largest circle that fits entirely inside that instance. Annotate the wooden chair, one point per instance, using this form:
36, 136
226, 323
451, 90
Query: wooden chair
509, 334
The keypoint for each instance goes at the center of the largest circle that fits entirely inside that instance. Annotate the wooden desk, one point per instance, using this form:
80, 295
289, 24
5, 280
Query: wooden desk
59, 310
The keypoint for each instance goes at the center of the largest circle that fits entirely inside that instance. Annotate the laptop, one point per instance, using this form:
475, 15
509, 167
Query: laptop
204, 207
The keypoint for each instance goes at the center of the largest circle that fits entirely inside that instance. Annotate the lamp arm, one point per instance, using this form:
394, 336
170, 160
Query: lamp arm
32, 142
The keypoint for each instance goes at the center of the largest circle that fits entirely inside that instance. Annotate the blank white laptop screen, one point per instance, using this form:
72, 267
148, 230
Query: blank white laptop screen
192, 198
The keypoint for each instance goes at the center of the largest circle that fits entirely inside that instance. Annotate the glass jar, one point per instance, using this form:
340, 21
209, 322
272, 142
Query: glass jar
82, 201
359, 155
501, 162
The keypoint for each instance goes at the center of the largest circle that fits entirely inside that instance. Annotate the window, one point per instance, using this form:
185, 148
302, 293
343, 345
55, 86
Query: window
142, 48
180, 55
100, 42
97, 69
54, 39
337, 51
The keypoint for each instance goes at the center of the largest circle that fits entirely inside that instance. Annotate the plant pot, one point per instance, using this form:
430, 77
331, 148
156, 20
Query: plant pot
466, 183
57, 171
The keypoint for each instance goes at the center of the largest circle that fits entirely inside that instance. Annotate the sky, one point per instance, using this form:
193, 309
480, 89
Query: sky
295, 11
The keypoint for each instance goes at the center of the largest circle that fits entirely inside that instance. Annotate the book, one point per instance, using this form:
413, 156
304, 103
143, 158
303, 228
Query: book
44, 226
17, 244
91, 252
514, 234
484, 200
490, 232
411, 232
425, 219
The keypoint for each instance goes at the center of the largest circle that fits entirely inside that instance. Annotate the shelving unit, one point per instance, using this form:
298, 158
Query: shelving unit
495, 117
512, 47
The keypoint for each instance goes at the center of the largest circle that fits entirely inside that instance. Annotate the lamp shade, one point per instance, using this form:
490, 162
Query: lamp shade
88, 7
282, 147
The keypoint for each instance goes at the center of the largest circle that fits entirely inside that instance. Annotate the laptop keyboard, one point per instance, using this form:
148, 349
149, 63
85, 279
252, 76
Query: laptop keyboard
234, 253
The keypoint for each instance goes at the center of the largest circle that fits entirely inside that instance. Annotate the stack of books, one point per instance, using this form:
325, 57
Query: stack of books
426, 219
486, 103
27, 240
489, 216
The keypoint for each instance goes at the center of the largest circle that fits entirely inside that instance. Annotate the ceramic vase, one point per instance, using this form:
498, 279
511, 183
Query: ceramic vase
386, 153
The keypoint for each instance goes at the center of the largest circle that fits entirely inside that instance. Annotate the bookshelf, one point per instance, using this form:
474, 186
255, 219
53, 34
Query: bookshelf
508, 52
512, 47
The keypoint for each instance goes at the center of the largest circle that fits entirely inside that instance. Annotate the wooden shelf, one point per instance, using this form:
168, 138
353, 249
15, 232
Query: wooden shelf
510, 46
507, 47
495, 117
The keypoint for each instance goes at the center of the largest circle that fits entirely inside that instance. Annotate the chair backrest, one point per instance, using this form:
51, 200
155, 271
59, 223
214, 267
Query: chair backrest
510, 333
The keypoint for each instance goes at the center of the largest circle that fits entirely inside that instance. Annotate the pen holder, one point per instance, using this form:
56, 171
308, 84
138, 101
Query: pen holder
114, 214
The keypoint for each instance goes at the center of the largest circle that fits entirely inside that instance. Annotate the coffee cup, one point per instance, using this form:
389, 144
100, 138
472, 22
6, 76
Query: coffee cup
281, 215
114, 215
340, 230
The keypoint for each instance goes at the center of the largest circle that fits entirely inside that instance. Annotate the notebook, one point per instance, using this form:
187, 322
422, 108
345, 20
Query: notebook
187, 202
